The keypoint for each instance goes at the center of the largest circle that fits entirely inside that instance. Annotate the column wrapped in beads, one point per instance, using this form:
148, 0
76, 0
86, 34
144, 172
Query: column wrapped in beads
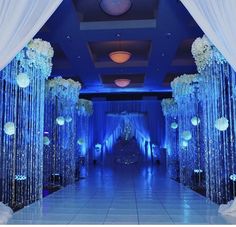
187, 95
60, 127
170, 111
22, 85
83, 134
218, 94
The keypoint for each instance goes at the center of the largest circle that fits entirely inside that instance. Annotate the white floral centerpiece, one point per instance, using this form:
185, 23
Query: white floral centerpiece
65, 89
185, 85
38, 54
85, 107
204, 53
169, 107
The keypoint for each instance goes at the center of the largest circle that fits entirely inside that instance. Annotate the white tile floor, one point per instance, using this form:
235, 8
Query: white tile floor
127, 195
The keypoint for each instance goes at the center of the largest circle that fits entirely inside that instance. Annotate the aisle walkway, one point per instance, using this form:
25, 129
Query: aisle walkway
132, 195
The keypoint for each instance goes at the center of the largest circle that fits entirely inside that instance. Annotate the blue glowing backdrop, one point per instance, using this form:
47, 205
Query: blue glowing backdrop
22, 85
144, 117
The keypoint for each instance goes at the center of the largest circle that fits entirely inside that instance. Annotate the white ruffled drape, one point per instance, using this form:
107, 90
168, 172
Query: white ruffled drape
20, 20
217, 19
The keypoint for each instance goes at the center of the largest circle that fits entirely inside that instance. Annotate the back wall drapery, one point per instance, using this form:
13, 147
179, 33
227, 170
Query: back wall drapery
155, 119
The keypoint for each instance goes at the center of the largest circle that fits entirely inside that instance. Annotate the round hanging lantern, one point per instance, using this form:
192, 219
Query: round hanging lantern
46, 140
9, 128
60, 120
120, 57
115, 7
80, 141
174, 125
187, 135
195, 121
184, 143
222, 124
22, 79
122, 82
68, 119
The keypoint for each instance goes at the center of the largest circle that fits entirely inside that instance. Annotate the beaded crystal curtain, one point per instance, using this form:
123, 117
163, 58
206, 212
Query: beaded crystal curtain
83, 134
22, 85
170, 111
186, 93
59, 134
218, 96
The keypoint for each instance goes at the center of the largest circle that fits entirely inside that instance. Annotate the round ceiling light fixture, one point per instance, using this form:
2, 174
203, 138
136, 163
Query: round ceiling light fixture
115, 7
122, 82
120, 57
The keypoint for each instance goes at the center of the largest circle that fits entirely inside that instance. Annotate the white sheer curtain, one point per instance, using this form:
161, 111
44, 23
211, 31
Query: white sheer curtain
217, 19
20, 20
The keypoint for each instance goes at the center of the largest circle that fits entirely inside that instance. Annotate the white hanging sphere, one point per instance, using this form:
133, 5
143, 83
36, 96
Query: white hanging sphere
174, 125
222, 124
80, 141
184, 143
195, 121
23, 80
46, 140
68, 119
187, 135
60, 120
9, 128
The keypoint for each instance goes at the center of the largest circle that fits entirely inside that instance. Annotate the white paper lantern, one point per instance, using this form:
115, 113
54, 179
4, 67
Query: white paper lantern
195, 121
80, 141
222, 124
184, 143
9, 128
46, 140
60, 120
174, 125
22, 79
187, 135
68, 119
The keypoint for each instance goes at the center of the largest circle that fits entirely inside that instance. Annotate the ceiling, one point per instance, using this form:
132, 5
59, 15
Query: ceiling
158, 33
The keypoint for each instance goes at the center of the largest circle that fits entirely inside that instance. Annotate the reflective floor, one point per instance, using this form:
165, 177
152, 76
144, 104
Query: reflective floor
123, 195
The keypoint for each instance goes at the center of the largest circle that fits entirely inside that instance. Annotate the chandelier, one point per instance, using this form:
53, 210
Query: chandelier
120, 57
122, 82
115, 7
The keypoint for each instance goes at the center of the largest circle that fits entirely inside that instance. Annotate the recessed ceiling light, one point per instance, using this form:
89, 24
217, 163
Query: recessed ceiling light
122, 82
115, 7
68, 37
120, 57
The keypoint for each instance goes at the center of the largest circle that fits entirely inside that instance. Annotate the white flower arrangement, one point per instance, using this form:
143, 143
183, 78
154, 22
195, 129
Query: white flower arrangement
186, 135
195, 121
41, 47
85, 107
46, 140
204, 53
174, 125
23, 80
222, 124
38, 54
185, 85
60, 120
65, 89
80, 141
169, 107
9, 128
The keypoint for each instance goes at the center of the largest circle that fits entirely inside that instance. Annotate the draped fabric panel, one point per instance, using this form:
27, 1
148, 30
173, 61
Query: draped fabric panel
154, 119
19, 22
217, 20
